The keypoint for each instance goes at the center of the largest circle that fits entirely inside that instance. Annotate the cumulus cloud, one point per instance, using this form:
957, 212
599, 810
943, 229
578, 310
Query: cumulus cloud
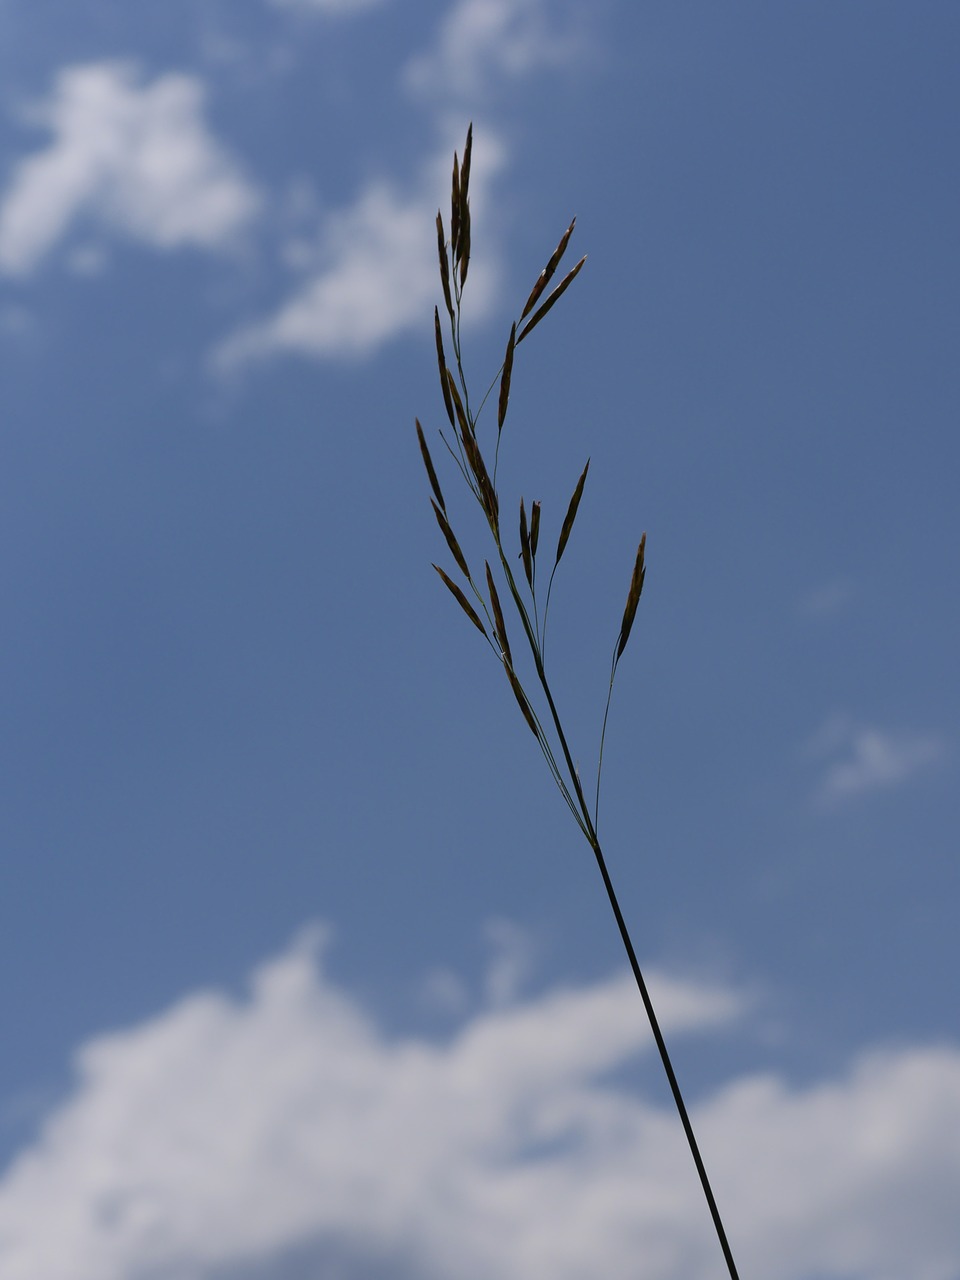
483, 42
374, 270
134, 158
227, 1137
861, 759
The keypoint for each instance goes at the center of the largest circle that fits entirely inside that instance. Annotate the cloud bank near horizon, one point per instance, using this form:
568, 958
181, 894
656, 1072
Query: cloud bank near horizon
227, 1136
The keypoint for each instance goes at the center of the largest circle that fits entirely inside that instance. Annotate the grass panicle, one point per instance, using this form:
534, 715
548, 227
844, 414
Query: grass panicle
531, 691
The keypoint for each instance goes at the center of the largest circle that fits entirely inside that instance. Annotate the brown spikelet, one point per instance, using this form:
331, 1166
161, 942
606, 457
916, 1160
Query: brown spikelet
488, 495
505, 379
561, 288
498, 616
444, 265
452, 542
522, 701
465, 428
491, 503
442, 364
545, 275
525, 545
462, 600
571, 512
534, 528
465, 167
428, 463
633, 597
455, 210
463, 197
464, 246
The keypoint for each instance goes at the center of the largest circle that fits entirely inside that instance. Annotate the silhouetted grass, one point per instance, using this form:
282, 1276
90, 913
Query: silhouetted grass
478, 594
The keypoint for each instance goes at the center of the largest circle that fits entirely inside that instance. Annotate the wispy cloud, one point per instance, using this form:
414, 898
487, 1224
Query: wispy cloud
481, 43
227, 1134
827, 599
858, 759
374, 272
134, 158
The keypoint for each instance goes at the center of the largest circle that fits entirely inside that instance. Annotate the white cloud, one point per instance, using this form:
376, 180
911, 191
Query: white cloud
223, 1136
482, 42
136, 158
863, 759
375, 274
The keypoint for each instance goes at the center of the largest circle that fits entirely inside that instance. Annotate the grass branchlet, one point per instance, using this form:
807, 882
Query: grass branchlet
465, 444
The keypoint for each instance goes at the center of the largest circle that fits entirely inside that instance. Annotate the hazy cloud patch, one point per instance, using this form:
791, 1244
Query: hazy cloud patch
826, 600
859, 759
373, 275
134, 157
483, 42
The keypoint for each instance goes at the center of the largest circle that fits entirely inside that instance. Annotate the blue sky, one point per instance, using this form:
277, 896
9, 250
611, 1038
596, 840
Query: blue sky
304, 970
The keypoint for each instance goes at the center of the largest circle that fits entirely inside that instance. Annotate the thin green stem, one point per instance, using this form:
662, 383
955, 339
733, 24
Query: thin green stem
546, 604
603, 735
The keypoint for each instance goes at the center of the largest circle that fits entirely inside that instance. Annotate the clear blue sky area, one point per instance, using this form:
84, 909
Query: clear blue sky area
304, 968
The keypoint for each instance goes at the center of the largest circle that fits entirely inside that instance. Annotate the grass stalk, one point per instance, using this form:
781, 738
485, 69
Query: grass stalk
467, 453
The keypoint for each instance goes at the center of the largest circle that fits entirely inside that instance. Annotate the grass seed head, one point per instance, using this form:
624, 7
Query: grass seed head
428, 463
571, 512
463, 202
444, 265
522, 700
452, 542
466, 430
545, 275
498, 621
558, 292
633, 597
442, 364
505, 378
465, 167
455, 210
464, 248
525, 545
463, 602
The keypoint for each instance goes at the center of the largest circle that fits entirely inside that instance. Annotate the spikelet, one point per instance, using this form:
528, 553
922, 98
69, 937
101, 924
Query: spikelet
571, 512
462, 600
633, 598
428, 463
